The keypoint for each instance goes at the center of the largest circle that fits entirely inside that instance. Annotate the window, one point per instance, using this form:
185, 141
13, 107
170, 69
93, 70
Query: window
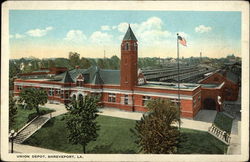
112, 97
51, 92
79, 80
141, 81
62, 94
66, 94
126, 100
127, 46
19, 88
79, 83
175, 100
194, 102
135, 46
145, 99
58, 91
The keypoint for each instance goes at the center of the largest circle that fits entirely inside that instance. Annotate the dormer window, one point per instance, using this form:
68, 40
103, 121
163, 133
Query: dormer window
79, 80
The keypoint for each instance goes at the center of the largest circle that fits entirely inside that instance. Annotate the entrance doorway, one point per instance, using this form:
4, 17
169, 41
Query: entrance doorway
209, 104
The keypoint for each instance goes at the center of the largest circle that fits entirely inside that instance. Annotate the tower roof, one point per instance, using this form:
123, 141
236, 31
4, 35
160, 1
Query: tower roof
129, 35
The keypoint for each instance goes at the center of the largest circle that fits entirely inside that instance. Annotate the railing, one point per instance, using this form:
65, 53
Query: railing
220, 134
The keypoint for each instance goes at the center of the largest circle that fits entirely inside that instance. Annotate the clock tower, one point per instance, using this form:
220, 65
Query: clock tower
129, 50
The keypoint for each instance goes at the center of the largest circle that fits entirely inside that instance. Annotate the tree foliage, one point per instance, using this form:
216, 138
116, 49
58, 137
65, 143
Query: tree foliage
33, 97
81, 121
74, 59
155, 131
12, 111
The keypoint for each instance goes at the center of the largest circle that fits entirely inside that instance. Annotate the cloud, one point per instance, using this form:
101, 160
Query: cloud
17, 36
183, 34
39, 32
150, 31
75, 36
101, 38
203, 29
11, 36
122, 27
105, 27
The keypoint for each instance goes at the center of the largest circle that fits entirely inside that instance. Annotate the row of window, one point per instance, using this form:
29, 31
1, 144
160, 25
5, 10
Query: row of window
128, 46
126, 100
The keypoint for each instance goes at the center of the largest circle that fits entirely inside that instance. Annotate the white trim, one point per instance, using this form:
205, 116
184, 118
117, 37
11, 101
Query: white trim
197, 93
108, 90
37, 85
166, 95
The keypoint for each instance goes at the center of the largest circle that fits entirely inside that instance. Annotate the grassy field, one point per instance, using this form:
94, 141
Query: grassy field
199, 142
223, 122
22, 116
115, 137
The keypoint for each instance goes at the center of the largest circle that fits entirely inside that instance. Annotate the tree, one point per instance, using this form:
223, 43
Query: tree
85, 63
155, 131
81, 121
12, 111
74, 59
33, 97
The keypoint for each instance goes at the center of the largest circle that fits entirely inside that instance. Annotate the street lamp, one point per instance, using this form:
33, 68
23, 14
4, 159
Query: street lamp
12, 137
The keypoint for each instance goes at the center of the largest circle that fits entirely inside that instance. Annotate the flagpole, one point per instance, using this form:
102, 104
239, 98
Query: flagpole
178, 65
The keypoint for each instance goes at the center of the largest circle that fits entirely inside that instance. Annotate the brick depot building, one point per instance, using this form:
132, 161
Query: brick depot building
126, 88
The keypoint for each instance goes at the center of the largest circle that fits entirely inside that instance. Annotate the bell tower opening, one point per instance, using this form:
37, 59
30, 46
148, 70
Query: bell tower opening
129, 55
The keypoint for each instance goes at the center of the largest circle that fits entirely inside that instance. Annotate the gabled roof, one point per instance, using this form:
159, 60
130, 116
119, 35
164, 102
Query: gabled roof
92, 75
129, 35
67, 78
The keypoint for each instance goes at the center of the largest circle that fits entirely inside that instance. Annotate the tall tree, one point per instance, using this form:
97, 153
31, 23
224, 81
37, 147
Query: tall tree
155, 131
33, 97
12, 111
81, 121
74, 59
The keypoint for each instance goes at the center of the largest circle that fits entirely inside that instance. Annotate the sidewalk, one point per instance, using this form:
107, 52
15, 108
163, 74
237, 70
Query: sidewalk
235, 144
185, 123
19, 148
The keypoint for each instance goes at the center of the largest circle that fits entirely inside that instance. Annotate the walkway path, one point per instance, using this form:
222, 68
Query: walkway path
185, 123
19, 148
235, 144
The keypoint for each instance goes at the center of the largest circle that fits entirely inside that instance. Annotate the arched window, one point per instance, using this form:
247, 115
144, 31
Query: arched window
135, 46
127, 46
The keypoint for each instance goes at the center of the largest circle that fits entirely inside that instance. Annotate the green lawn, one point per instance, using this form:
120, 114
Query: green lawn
199, 142
115, 137
223, 122
22, 116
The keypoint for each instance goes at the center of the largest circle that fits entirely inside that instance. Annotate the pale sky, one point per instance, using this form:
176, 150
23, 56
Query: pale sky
45, 34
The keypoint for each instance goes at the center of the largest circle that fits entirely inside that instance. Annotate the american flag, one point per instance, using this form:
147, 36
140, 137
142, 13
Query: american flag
182, 41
